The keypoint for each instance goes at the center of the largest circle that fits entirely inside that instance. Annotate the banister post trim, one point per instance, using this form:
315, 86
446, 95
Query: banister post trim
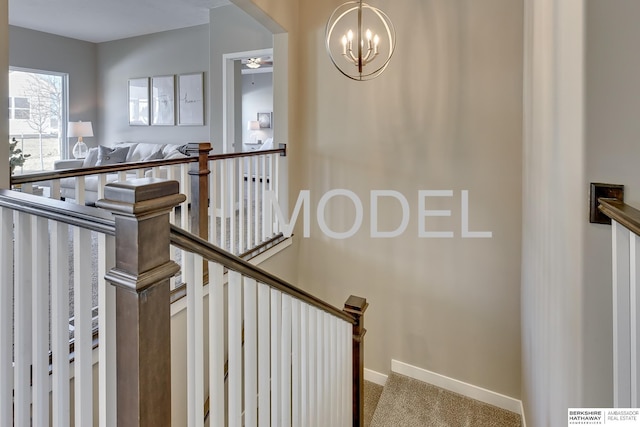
199, 172
356, 306
143, 318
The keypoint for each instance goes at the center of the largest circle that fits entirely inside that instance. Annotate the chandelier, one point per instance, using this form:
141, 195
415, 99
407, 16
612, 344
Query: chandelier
360, 40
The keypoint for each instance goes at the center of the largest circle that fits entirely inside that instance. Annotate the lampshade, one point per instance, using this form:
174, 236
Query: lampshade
360, 40
253, 125
79, 129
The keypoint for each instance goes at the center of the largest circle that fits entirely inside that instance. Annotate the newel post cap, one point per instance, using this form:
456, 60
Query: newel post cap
141, 196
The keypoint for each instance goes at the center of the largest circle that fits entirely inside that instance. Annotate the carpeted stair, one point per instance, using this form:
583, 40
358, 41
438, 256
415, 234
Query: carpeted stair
405, 402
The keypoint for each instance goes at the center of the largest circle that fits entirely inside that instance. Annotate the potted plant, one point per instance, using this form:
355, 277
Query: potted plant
16, 158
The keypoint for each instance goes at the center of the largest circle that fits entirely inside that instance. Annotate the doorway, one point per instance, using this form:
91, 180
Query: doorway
248, 119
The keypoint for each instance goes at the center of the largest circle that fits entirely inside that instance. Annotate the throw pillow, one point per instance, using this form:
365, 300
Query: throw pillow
91, 159
154, 156
111, 156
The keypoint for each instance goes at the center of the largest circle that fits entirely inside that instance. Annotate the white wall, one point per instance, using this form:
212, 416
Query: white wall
167, 53
612, 154
4, 90
257, 97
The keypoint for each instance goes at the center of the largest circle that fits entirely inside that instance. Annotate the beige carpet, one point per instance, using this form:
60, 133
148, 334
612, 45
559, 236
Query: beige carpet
372, 392
406, 402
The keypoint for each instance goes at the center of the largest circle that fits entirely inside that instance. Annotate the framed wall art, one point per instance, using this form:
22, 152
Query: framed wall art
163, 102
265, 120
139, 101
191, 99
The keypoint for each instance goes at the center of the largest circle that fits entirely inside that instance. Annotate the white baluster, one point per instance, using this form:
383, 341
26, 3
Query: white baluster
185, 188
6, 317
235, 349
213, 203
232, 208
276, 325
192, 271
257, 210
22, 295
259, 228
333, 368
55, 189
285, 363
61, 393
326, 388
172, 175
40, 303
320, 370
348, 386
250, 353
264, 354
250, 204
223, 204
621, 317
634, 301
304, 365
296, 324
242, 246
107, 408
275, 187
82, 314
313, 367
79, 190
341, 372
216, 344
263, 183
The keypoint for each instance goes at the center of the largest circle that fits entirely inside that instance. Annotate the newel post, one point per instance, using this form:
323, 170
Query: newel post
356, 306
141, 276
199, 172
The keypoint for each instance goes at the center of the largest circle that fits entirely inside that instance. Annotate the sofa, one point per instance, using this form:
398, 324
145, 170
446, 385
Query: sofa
125, 152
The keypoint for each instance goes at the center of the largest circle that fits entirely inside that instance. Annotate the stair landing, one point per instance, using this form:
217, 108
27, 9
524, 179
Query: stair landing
406, 402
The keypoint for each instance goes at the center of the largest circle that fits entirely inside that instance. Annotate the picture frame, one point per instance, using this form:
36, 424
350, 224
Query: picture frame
163, 101
191, 99
138, 92
265, 120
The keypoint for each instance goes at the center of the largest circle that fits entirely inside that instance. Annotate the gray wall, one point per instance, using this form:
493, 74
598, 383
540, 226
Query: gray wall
167, 53
612, 156
449, 117
48, 52
231, 31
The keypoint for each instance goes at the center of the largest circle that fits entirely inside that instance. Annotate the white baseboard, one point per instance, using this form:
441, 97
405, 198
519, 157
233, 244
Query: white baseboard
524, 422
456, 386
375, 377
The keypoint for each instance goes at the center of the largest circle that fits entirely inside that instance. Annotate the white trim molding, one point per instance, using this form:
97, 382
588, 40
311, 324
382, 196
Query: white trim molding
456, 386
375, 377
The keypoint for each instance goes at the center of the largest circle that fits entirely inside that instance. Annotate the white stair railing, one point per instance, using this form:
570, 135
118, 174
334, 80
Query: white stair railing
239, 221
290, 359
42, 307
625, 242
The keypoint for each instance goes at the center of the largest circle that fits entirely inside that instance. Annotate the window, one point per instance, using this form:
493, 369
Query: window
37, 116
19, 108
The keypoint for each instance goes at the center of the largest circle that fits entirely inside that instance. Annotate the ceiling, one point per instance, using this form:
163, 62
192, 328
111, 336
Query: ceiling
105, 20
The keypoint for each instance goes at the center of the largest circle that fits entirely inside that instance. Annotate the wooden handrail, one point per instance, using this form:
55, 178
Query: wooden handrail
622, 213
65, 212
120, 167
191, 243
